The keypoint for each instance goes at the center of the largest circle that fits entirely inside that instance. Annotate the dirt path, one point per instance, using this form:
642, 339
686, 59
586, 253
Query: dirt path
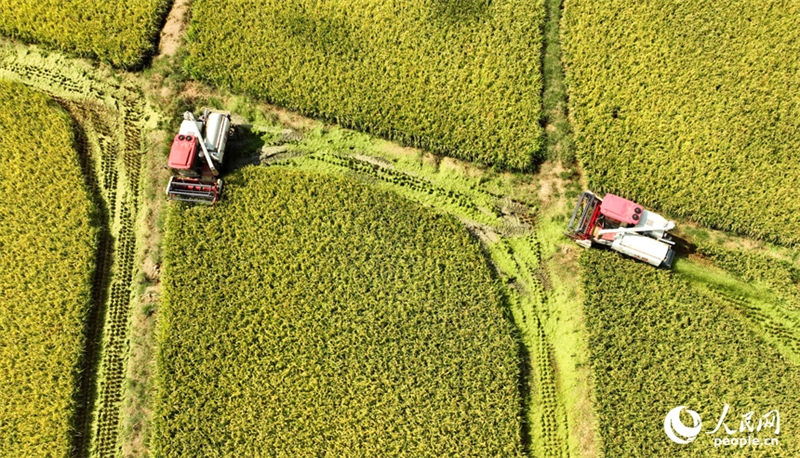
174, 29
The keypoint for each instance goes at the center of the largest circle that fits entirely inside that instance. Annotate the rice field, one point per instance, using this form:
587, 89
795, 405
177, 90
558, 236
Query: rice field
122, 33
48, 236
459, 78
690, 108
325, 317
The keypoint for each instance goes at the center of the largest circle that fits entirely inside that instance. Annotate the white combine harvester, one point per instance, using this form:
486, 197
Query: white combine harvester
623, 226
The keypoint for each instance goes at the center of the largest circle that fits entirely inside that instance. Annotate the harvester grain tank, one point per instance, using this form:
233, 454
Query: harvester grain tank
623, 226
196, 155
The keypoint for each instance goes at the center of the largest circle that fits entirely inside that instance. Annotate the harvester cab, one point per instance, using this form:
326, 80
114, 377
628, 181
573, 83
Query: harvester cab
195, 157
622, 226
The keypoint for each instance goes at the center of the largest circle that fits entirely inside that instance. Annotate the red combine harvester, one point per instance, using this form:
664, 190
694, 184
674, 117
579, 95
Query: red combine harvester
623, 226
196, 156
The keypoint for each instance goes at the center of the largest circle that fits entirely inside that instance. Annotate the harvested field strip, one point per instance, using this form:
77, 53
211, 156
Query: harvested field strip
519, 262
109, 117
527, 252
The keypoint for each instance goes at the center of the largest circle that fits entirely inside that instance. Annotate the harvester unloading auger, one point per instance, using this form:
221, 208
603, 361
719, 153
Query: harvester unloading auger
623, 226
196, 156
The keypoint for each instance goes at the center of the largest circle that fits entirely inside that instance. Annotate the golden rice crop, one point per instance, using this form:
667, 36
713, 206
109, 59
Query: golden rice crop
116, 31
462, 78
691, 107
48, 246
658, 343
312, 316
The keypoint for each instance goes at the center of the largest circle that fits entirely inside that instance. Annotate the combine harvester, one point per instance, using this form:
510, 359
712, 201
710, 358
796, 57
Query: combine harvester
623, 226
196, 156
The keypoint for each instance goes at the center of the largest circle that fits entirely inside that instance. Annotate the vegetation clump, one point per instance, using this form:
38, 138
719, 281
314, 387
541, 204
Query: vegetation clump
307, 315
48, 243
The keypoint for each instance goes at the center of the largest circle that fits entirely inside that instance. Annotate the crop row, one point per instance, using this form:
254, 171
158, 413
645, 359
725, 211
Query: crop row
329, 318
46, 272
119, 32
690, 107
458, 78
657, 343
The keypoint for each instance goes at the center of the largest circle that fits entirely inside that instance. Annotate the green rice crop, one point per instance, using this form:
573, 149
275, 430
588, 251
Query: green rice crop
691, 107
462, 78
307, 315
657, 343
48, 245
116, 31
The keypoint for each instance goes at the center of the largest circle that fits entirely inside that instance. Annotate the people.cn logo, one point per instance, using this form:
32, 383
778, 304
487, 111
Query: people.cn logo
677, 431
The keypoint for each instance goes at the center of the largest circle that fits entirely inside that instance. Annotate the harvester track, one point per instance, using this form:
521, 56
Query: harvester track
525, 270
107, 116
772, 329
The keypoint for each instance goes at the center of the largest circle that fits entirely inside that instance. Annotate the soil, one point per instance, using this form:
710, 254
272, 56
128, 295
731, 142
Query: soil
174, 29
291, 119
551, 186
395, 149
